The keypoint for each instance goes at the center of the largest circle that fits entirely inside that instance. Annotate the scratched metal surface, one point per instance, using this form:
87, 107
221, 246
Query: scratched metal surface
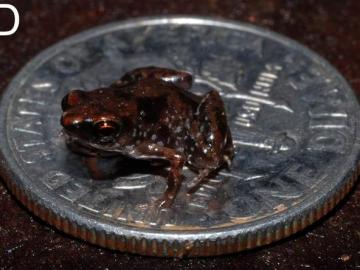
293, 120
275, 255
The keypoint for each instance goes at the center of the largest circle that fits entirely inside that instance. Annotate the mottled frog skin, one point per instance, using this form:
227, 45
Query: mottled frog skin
150, 114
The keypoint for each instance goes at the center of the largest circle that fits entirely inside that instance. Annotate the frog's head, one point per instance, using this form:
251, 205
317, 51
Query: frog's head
91, 118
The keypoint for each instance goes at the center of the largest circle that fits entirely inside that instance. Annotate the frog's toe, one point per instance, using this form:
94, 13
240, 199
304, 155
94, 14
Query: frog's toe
158, 212
195, 184
227, 160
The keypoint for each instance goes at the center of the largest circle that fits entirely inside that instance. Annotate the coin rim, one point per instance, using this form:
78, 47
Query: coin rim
277, 226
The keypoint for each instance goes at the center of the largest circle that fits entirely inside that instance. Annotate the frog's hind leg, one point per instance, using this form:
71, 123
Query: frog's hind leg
215, 147
213, 132
181, 79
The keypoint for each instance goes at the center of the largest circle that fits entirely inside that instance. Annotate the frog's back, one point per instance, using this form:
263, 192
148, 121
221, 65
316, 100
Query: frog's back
164, 111
154, 96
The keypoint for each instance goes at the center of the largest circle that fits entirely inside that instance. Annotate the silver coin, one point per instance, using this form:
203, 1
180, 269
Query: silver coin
292, 116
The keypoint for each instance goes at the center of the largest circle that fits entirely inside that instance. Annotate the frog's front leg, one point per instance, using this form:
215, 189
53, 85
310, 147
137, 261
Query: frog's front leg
91, 163
89, 159
176, 160
180, 79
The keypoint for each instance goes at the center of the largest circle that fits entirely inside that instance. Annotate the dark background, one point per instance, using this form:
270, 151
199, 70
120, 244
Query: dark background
330, 28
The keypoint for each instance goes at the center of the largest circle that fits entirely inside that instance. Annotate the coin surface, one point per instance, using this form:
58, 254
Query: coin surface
292, 116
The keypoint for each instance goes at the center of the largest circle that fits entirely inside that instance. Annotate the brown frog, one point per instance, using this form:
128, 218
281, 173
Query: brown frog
150, 114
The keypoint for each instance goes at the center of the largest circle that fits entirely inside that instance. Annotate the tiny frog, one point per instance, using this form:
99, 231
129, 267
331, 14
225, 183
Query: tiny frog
151, 114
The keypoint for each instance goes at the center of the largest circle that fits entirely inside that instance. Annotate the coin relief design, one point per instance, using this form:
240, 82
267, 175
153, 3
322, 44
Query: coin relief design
293, 120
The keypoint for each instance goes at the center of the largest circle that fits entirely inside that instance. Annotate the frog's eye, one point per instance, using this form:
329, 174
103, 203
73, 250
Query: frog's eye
106, 128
